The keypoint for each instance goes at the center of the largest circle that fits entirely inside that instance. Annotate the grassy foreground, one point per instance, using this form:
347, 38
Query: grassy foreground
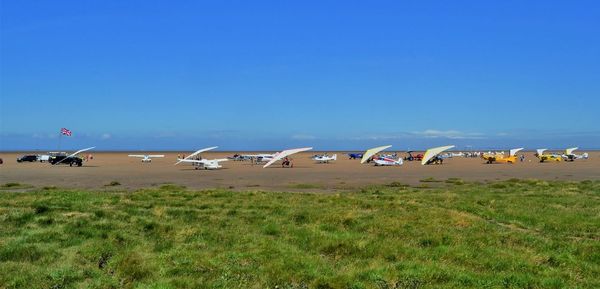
512, 234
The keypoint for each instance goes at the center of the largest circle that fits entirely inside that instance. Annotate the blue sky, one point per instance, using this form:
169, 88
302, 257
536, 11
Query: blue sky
260, 75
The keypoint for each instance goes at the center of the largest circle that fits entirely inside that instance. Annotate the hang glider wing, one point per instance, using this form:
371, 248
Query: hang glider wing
514, 151
195, 153
75, 153
284, 154
371, 152
541, 151
570, 151
430, 153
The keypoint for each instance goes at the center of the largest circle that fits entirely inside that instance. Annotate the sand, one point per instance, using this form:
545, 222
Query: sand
306, 175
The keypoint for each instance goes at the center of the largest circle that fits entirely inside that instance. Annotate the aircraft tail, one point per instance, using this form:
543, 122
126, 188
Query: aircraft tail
585, 156
334, 157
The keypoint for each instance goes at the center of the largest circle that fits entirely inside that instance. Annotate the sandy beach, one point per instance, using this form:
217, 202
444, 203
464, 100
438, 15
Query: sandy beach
344, 174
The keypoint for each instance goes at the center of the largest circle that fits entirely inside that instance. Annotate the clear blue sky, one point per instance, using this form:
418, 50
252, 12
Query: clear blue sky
263, 75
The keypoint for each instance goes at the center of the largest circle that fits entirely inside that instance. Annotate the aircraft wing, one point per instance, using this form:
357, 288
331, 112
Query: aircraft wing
540, 151
136, 156
514, 151
195, 153
192, 161
75, 153
430, 153
570, 151
284, 154
156, 156
370, 152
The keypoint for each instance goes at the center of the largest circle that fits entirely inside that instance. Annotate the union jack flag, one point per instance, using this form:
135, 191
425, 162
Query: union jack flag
66, 131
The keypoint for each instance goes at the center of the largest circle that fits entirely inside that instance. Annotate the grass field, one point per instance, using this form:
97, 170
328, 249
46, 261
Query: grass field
443, 234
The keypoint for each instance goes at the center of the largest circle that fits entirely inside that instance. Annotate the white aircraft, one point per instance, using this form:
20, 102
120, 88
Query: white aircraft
385, 161
202, 163
570, 156
284, 154
324, 159
146, 158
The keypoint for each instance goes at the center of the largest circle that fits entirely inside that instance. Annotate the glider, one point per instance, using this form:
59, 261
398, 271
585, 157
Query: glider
547, 157
146, 158
194, 154
371, 152
570, 156
284, 154
202, 163
500, 158
431, 155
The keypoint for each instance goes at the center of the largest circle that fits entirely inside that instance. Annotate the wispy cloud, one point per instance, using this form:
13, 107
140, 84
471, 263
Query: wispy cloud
429, 133
105, 136
449, 134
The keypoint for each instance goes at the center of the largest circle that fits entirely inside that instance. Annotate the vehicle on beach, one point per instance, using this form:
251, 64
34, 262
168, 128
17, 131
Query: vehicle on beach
72, 159
412, 157
27, 158
66, 160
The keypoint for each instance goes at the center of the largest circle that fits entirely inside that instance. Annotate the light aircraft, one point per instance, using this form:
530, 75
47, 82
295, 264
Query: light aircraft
570, 156
202, 163
547, 157
385, 161
324, 158
500, 158
371, 152
432, 156
285, 154
146, 158
354, 156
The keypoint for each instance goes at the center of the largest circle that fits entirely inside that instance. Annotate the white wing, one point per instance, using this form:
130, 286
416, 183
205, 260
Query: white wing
370, 152
514, 151
75, 153
195, 153
540, 151
136, 156
156, 156
570, 151
430, 153
192, 161
80, 151
284, 154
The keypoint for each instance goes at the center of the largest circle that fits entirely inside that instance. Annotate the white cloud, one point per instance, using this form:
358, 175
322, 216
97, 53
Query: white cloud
105, 136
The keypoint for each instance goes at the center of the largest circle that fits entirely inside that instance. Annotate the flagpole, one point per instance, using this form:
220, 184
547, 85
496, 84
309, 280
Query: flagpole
59, 140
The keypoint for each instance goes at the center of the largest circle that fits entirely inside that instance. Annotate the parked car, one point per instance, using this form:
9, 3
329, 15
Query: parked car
27, 158
66, 160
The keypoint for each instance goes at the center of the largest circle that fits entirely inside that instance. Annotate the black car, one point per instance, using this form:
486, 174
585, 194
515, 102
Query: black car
27, 158
66, 160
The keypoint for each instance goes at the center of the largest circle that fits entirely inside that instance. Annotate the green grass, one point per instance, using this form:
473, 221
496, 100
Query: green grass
512, 234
